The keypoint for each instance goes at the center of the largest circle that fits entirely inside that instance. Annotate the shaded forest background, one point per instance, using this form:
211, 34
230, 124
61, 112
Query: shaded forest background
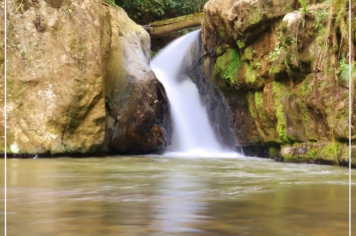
144, 12
147, 11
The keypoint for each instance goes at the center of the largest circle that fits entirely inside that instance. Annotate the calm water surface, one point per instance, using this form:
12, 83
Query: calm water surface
172, 196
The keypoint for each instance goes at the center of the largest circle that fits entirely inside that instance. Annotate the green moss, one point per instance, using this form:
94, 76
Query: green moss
219, 50
315, 152
221, 33
279, 91
258, 65
276, 52
288, 158
344, 68
346, 95
281, 123
240, 44
312, 154
321, 16
306, 87
304, 113
257, 139
264, 124
280, 68
251, 76
259, 100
256, 17
111, 2
227, 65
251, 104
320, 39
309, 156
277, 70
331, 152
247, 54
273, 151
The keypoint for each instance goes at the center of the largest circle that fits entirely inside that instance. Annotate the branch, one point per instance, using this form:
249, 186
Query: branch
164, 27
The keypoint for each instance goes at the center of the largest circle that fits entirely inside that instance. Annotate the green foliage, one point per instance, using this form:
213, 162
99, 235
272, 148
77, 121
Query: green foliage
240, 44
321, 16
111, 2
274, 54
148, 11
304, 5
258, 65
344, 69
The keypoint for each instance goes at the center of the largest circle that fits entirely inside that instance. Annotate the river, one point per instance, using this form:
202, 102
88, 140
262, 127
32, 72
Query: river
175, 196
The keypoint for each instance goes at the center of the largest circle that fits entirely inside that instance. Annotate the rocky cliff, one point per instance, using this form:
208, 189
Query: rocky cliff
283, 70
79, 81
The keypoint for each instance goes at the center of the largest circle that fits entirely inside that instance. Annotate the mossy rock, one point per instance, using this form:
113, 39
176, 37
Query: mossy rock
227, 66
238, 74
320, 152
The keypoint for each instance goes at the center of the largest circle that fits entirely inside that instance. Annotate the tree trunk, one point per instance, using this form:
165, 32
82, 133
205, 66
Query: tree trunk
164, 27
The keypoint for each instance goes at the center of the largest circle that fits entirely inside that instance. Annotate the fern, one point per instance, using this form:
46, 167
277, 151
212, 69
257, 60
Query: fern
304, 5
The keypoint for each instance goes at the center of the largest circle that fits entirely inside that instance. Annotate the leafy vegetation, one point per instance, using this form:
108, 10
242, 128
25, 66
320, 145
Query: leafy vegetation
304, 5
147, 11
111, 2
344, 68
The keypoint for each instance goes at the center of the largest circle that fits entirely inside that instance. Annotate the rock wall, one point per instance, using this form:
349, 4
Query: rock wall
283, 70
77, 70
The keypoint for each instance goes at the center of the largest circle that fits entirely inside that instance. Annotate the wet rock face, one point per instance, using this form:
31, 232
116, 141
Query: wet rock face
141, 124
283, 84
64, 58
140, 121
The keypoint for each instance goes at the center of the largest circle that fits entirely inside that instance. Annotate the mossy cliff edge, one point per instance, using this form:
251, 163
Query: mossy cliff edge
79, 81
283, 71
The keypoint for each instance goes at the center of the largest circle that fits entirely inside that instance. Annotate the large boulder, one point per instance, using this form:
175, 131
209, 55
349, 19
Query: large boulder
65, 60
138, 115
284, 84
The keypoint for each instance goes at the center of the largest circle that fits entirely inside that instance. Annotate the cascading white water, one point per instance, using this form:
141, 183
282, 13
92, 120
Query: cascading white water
192, 132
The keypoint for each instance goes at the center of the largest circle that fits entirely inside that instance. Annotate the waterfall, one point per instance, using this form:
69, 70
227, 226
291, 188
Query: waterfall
193, 134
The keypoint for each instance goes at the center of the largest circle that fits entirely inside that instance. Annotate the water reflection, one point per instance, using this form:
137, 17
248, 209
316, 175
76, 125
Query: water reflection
167, 196
179, 207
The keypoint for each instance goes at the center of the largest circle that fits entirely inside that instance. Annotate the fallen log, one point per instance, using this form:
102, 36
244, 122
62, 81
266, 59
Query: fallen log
164, 27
